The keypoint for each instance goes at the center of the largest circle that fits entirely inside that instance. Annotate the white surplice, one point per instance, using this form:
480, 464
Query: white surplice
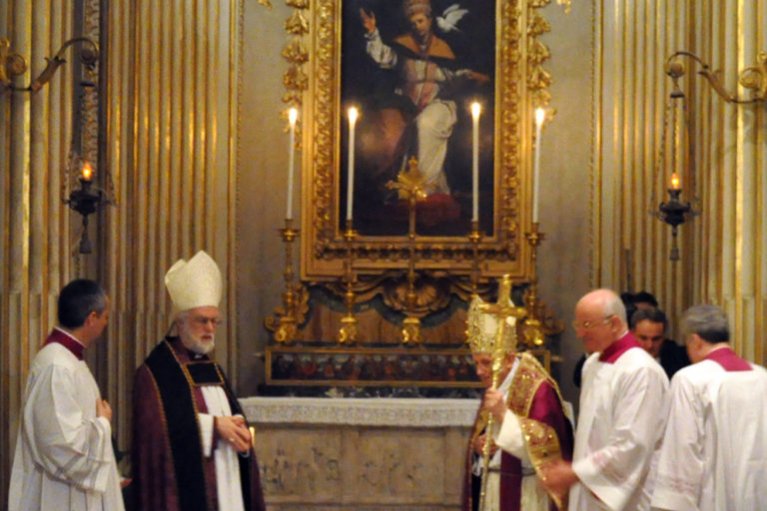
64, 457
714, 455
225, 458
623, 410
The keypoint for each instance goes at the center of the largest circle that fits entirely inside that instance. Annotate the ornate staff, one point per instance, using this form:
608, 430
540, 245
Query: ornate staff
496, 336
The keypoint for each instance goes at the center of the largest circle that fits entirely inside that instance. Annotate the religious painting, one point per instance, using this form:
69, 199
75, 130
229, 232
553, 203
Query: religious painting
412, 68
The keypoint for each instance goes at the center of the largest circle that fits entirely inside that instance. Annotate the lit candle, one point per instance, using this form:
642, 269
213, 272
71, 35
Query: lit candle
540, 115
87, 172
292, 118
476, 109
676, 183
353, 113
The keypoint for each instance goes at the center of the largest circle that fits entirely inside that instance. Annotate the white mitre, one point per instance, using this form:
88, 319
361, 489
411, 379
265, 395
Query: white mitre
194, 283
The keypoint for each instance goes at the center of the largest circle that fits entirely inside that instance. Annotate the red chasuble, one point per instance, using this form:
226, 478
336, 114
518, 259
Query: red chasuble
534, 398
170, 472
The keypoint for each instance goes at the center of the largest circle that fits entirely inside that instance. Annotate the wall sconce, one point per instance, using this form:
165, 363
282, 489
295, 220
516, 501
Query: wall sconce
86, 200
12, 64
674, 212
753, 78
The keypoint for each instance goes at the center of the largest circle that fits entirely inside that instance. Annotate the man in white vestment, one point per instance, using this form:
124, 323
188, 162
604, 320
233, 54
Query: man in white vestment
64, 457
191, 444
623, 409
714, 455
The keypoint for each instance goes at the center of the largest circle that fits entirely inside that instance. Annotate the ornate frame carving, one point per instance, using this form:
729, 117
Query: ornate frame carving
312, 82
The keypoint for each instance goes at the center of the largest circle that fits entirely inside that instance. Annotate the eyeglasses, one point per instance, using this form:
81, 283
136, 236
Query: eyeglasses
589, 324
203, 321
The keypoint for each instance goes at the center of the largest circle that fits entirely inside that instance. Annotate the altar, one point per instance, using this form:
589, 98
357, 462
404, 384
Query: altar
333, 454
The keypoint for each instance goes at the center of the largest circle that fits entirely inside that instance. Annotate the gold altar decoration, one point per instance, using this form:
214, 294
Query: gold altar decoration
410, 186
347, 334
540, 321
295, 299
295, 79
371, 279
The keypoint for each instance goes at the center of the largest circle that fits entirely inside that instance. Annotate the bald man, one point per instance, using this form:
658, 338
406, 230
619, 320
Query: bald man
623, 409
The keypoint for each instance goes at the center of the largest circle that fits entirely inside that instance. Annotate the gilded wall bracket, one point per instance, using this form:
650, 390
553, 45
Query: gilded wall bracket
753, 78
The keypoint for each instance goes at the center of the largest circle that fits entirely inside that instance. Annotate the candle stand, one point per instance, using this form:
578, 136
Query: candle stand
347, 334
474, 238
287, 322
533, 329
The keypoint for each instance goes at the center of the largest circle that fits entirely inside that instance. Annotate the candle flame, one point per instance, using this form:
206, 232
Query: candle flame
87, 172
676, 183
353, 114
292, 116
540, 116
476, 109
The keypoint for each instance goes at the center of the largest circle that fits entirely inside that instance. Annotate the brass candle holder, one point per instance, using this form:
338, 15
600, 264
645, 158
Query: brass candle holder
474, 238
287, 324
347, 334
534, 333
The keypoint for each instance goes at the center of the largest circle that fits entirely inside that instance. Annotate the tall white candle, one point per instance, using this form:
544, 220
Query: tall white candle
540, 115
292, 118
476, 109
353, 113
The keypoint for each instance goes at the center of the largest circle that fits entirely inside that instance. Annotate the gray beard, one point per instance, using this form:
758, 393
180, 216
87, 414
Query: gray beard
197, 345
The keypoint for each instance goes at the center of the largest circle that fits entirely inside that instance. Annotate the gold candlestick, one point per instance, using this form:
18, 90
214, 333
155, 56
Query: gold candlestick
287, 323
534, 331
475, 237
347, 334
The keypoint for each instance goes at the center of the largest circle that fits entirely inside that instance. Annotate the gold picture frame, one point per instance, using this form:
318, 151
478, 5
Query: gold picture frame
314, 83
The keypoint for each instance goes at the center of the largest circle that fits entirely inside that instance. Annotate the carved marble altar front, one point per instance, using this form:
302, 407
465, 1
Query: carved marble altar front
361, 454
